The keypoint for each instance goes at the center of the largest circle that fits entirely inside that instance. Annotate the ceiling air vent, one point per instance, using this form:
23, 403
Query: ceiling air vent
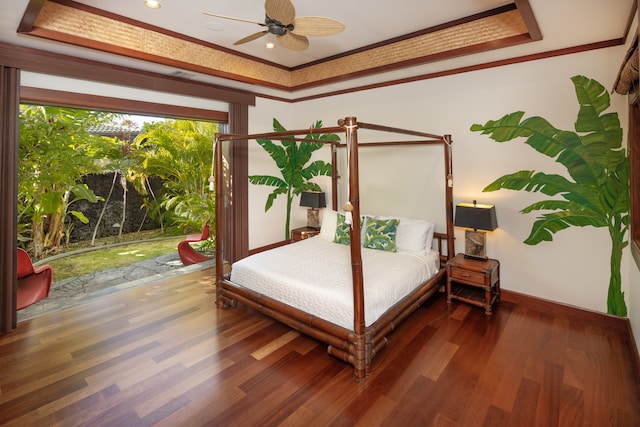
181, 74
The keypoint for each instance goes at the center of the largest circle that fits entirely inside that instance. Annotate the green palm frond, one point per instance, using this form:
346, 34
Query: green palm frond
542, 136
594, 158
271, 181
317, 168
291, 158
272, 196
559, 205
549, 184
551, 223
594, 99
529, 180
276, 152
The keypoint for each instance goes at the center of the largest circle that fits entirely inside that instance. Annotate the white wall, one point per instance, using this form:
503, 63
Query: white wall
574, 267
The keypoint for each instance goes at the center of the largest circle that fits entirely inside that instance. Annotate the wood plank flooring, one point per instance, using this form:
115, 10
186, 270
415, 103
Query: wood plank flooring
163, 355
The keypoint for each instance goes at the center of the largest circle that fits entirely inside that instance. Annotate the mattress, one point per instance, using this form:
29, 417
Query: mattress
314, 275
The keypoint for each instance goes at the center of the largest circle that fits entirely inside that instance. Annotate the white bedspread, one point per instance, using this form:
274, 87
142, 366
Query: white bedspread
314, 275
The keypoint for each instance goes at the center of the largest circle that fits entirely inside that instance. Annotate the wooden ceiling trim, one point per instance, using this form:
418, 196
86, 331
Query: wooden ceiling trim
512, 41
461, 70
117, 105
143, 56
529, 18
80, 27
499, 30
160, 30
67, 66
30, 15
411, 35
73, 23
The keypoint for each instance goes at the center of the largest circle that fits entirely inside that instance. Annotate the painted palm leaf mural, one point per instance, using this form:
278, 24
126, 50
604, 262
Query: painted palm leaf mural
291, 158
597, 190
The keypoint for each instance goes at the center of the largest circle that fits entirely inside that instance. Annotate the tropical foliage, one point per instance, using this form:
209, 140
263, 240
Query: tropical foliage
291, 159
179, 152
596, 193
118, 159
55, 151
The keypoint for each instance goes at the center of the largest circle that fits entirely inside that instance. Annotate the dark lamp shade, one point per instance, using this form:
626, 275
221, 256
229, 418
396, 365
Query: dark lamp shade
476, 216
312, 200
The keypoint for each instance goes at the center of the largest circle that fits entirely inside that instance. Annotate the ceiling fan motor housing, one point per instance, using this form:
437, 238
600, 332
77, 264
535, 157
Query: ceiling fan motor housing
276, 27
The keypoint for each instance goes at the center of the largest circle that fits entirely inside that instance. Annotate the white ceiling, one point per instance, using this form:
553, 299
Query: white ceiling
563, 23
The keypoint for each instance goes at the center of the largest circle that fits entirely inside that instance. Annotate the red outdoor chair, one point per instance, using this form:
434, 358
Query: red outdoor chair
187, 254
33, 283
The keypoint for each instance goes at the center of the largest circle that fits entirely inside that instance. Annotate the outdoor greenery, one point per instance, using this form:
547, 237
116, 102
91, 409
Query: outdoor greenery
180, 152
291, 158
119, 158
111, 257
56, 151
598, 192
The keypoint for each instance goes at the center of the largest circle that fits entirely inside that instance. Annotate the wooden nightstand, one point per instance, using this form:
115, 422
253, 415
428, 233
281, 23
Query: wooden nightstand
302, 233
473, 281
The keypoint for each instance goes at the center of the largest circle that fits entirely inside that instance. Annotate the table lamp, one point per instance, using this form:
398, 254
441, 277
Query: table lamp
313, 200
475, 216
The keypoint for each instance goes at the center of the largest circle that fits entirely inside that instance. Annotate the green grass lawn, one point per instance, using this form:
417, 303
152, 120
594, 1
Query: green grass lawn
82, 263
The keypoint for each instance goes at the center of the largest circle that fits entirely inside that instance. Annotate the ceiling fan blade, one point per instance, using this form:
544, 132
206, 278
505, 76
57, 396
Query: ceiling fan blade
316, 26
251, 37
234, 19
281, 10
294, 41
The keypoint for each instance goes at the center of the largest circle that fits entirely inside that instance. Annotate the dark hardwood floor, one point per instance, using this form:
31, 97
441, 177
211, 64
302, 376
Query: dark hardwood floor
164, 355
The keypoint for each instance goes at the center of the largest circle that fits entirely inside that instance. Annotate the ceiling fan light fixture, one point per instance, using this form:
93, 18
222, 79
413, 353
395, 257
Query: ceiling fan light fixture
153, 4
290, 31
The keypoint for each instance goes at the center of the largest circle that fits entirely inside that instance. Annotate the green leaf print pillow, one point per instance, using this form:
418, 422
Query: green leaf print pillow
342, 230
381, 234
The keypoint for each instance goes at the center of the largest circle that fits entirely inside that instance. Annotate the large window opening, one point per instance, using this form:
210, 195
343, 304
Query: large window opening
102, 194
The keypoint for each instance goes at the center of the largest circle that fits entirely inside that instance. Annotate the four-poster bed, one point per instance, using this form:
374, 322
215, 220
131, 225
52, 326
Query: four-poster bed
302, 299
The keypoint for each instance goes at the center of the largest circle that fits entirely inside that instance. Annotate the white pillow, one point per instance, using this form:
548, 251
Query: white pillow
414, 235
329, 222
429, 245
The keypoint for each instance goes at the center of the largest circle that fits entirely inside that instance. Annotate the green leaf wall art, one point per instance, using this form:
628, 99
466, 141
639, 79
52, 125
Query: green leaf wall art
597, 190
291, 158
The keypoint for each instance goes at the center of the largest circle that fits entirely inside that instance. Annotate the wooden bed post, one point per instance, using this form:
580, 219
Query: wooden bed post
448, 167
360, 363
334, 177
219, 219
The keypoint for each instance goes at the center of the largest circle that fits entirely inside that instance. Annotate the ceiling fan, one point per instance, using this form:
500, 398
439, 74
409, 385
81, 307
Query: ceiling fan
290, 31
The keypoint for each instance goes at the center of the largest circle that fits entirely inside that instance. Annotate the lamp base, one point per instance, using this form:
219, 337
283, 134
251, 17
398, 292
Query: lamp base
474, 244
313, 218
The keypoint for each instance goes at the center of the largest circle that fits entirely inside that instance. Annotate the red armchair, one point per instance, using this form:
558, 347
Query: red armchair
33, 283
187, 254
